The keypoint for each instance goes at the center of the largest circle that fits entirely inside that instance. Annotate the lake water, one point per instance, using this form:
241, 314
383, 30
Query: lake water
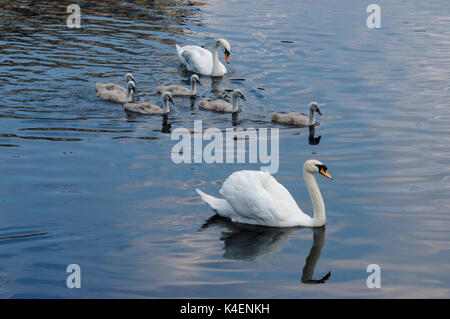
82, 182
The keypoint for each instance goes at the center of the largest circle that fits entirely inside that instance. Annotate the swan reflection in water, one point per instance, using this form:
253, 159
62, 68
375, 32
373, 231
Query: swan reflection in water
311, 139
213, 81
166, 126
248, 242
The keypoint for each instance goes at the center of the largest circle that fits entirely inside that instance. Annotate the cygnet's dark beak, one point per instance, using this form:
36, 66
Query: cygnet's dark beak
318, 111
243, 97
171, 100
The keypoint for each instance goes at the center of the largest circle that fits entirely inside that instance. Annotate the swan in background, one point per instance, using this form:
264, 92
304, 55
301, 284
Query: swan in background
118, 95
223, 106
295, 118
255, 197
201, 61
177, 90
116, 87
149, 108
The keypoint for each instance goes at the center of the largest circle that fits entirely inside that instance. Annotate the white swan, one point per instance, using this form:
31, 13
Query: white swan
149, 108
177, 90
295, 118
201, 61
118, 95
116, 87
223, 106
255, 197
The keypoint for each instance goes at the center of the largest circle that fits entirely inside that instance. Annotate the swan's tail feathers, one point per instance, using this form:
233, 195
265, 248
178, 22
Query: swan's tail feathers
210, 200
220, 206
179, 51
98, 86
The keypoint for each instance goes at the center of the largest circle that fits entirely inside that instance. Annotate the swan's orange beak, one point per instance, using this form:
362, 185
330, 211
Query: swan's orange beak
227, 56
325, 173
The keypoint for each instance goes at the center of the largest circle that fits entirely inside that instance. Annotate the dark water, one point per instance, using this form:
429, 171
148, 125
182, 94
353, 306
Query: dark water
83, 182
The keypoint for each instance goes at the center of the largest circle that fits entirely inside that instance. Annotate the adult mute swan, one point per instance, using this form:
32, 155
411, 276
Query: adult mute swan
177, 90
201, 61
295, 118
149, 108
116, 87
223, 106
118, 95
255, 197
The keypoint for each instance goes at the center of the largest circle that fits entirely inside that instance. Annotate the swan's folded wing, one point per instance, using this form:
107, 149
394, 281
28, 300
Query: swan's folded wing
165, 88
174, 90
112, 95
259, 199
222, 106
143, 108
217, 105
110, 87
197, 59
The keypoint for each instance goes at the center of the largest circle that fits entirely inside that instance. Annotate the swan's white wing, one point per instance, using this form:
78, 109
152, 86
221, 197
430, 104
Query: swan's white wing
196, 59
258, 198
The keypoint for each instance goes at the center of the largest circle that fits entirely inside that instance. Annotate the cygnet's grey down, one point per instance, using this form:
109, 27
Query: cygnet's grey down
295, 118
149, 108
115, 87
118, 95
177, 90
223, 106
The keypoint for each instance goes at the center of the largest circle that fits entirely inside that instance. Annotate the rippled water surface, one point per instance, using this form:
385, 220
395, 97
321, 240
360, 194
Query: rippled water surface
83, 182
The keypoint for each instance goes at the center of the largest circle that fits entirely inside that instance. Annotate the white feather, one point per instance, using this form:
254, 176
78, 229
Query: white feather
201, 61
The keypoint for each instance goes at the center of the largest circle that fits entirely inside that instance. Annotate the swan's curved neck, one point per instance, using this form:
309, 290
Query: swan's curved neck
130, 97
312, 117
235, 105
216, 62
166, 108
193, 87
319, 218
